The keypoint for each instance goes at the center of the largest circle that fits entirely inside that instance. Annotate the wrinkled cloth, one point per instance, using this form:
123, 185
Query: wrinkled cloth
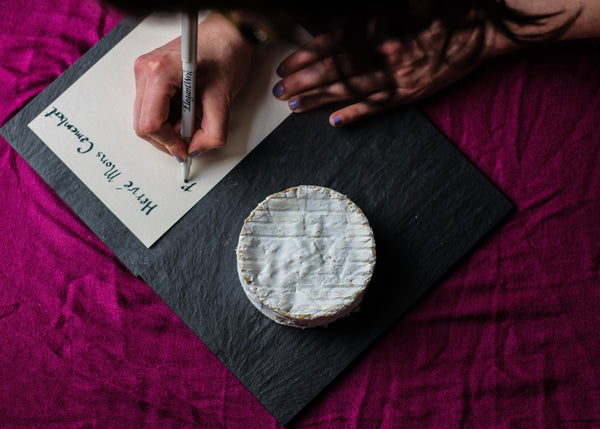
509, 338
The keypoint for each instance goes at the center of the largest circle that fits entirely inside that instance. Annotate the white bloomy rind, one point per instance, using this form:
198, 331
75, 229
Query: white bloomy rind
305, 256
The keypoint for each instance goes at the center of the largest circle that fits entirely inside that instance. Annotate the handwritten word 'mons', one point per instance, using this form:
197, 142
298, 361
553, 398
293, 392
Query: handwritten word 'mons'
111, 172
85, 144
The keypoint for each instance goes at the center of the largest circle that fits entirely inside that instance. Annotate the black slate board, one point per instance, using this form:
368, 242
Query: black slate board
427, 204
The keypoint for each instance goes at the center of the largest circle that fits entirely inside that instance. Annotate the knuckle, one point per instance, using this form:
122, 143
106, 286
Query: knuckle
328, 67
152, 63
140, 64
392, 50
156, 65
147, 126
400, 74
207, 140
217, 142
391, 47
338, 89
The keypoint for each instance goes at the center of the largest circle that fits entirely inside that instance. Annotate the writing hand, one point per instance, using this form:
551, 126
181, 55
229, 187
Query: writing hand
224, 59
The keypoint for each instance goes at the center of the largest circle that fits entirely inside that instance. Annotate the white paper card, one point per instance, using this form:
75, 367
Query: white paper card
90, 128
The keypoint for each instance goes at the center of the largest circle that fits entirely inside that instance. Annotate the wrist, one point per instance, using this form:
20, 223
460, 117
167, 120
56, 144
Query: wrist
228, 31
254, 29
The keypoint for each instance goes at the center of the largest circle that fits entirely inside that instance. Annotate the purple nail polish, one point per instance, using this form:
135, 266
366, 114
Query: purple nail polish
278, 90
294, 103
280, 70
179, 159
196, 153
337, 120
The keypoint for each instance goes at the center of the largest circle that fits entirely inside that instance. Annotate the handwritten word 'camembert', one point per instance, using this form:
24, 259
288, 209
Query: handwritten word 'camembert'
86, 144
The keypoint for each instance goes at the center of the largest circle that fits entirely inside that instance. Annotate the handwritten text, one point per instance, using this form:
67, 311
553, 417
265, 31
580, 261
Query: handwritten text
86, 144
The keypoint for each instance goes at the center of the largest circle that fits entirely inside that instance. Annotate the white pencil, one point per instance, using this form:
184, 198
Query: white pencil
189, 42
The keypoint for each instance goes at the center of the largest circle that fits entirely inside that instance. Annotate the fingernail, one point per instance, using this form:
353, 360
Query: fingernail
280, 70
294, 103
179, 159
196, 153
336, 120
278, 90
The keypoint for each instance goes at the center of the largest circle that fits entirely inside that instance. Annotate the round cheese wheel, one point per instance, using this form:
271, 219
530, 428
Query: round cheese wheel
305, 256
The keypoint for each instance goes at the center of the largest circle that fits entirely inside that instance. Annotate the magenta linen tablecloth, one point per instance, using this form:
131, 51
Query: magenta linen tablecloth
510, 338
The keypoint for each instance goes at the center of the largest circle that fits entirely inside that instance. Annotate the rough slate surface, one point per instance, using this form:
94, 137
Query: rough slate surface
427, 204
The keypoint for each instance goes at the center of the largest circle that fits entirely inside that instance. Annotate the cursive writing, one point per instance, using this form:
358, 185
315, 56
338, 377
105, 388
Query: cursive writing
147, 205
187, 91
109, 169
111, 172
86, 144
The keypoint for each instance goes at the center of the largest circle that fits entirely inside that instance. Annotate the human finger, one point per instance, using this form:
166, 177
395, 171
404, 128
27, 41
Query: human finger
354, 88
140, 89
319, 47
157, 76
153, 123
313, 76
154, 126
374, 104
140, 71
212, 133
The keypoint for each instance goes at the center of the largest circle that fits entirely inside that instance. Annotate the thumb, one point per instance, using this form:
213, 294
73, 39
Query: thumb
213, 126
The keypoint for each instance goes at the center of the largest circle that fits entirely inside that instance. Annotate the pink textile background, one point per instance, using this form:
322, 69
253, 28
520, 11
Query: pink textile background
509, 339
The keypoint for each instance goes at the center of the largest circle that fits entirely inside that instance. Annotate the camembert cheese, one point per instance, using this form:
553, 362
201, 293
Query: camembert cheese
305, 256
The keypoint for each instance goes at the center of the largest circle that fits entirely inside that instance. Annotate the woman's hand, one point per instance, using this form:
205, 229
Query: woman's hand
224, 60
411, 70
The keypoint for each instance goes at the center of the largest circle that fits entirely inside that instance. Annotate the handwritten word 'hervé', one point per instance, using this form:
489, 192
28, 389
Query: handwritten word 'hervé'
86, 144
145, 202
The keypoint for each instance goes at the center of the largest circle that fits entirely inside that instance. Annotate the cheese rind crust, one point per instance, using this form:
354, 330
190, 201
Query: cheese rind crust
305, 256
